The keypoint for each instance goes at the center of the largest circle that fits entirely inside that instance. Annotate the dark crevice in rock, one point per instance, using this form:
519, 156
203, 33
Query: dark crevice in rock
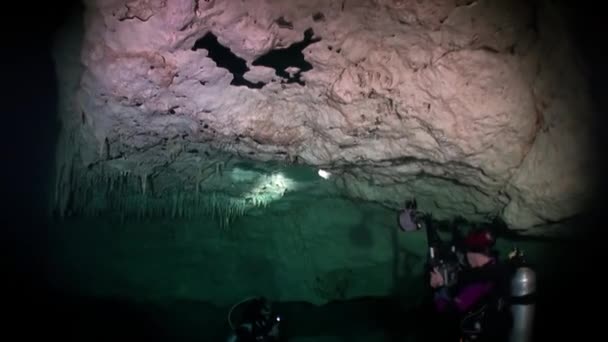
533, 24
415, 160
502, 230
567, 230
538, 130
489, 49
461, 3
410, 159
196, 7
318, 17
224, 58
172, 110
292, 56
284, 23
424, 174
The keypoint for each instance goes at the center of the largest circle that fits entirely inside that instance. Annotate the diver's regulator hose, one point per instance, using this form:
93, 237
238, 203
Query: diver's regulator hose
235, 306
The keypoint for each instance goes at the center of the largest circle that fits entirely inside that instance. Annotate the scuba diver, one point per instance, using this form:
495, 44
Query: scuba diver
478, 298
409, 217
258, 323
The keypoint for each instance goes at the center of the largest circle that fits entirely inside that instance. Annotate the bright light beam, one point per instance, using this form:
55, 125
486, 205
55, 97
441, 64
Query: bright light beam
324, 174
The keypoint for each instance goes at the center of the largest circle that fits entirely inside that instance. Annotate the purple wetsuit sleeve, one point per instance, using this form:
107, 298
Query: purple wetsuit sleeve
471, 294
465, 299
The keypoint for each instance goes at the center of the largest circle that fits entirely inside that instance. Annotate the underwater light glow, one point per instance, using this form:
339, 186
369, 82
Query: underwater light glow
324, 174
269, 188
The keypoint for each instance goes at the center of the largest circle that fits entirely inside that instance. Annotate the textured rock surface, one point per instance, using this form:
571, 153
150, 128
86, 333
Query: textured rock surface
476, 108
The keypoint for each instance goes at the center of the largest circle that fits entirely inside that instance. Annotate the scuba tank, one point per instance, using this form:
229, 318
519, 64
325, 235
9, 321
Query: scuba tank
523, 290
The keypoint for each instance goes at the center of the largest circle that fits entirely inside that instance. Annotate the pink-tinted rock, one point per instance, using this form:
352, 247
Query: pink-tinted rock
466, 105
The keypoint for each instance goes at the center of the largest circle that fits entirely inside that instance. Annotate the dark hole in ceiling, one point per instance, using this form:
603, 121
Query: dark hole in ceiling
292, 56
279, 59
224, 58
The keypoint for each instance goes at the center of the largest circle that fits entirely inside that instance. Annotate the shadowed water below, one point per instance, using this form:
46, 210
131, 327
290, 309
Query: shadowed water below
79, 318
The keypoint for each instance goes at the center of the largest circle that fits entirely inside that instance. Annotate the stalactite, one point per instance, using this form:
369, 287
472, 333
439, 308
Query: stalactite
187, 211
174, 211
212, 205
101, 148
194, 209
181, 205
144, 182
132, 196
229, 211
145, 203
197, 188
219, 169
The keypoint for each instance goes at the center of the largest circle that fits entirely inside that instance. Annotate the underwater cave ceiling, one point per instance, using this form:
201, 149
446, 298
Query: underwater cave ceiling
183, 107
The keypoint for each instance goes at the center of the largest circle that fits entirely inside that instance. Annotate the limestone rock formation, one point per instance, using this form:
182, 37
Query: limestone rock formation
476, 108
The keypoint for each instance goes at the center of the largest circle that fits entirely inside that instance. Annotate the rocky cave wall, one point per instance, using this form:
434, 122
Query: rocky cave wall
189, 108
192, 132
